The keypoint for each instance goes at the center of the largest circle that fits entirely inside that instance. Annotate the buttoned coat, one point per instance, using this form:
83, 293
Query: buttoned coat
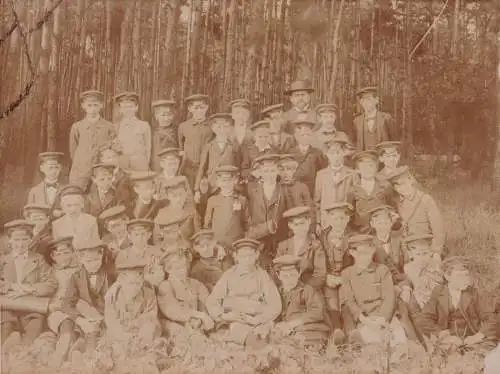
384, 130
310, 163
93, 204
38, 195
134, 137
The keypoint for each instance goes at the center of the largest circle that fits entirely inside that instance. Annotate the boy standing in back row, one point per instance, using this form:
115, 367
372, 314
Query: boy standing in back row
165, 134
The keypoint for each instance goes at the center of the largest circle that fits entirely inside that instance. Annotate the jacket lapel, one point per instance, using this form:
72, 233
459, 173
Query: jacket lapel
9, 270
30, 265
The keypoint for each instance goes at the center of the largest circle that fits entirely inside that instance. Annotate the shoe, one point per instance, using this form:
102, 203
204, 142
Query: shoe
338, 337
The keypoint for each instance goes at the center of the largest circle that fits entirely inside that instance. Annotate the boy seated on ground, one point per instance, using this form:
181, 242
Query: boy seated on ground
302, 317
23, 273
211, 259
245, 298
181, 299
457, 307
367, 293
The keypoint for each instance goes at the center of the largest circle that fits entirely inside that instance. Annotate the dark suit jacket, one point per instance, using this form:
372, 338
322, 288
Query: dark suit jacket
385, 129
93, 204
309, 164
138, 210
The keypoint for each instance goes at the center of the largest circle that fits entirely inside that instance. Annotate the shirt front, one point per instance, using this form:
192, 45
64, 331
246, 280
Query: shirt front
192, 138
20, 261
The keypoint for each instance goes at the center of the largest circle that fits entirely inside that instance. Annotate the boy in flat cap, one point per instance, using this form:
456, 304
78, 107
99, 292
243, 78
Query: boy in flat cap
310, 159
131, 309
245, 298
302, 318
240, 112
194, 134
181, 298
418, 210
260, 145
24, 273
372, 126
39, 216
299, 93
211, 259
169, 235
81, 226
110, 155
368, 192
389, 156
227, 211
367, 294
180, 206
114, 220
266, 204
327, 116
170, 166
457, 307
102, 194
219, 151
46, 192
280, 141
165, 133
133, 135
333, 183
296, 193
335, 245
86, 137
144, 205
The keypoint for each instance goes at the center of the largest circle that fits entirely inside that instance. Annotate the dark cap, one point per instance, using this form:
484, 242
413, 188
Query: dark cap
171, 151
303, 123
87, 245
288, 157
142, 175
384, 146
368, 89
260, 124
298, 211
196, 97
163, 103
223, 169
299, 85
203, 233
272, 108
365, 155
360, 239
179, 180
61, 240
414, 238
221, 117
343, 205
126, 96
379, 208
399, 173
50, 156
273, 158
246, 243
70, 190
28, 208
286, 262
104, 166
140, 223
92, 94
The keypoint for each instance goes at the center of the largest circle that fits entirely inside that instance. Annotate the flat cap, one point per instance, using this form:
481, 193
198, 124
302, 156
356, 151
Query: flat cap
19, 225
165, 220
113, 212
125, 261
142, 175
303, 123
387, 146
196, 97
163, 103
360, 239
399, 173
71, 190
246, 243
271, 157
226, 169
175, 181
171, 151
380, 208
140, 223
321, 108
28, 208
288, 157
272, 108
367, 89
298, 211
60, 240
203, 233
239, 103
343, 205
260, 124
221, 117
365, 155
286, 261
103, 165
182, 253
50, 156
338, 137
299, 85
414, 238
126, 96
86, 245
92, 94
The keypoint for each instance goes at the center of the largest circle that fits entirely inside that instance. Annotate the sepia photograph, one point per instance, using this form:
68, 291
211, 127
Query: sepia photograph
250, 186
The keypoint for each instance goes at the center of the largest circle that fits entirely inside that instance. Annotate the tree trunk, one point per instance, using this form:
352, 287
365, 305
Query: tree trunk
52, 117
173, 14
496, 170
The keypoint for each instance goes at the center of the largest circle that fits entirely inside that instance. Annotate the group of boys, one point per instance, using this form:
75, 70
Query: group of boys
246, 232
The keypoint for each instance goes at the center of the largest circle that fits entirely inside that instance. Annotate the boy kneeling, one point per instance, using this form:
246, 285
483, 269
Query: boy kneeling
303, 307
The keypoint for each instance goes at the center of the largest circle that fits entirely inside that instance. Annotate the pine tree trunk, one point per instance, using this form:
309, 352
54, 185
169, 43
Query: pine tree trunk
496, 169
52, 117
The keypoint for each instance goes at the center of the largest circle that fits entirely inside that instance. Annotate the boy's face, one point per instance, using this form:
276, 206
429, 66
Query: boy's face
303, 134
72, 204
246, 257
177, 195
390, 158
205, 246
335, 154
226, 182
198, 110
177, 267
367, 168
241, 115
262, 136
91, 259
287, 170
381, 221
19, 241
459, 278
405, 187
139, 236
51, 169
117, 226
39, 219
289, 277
268, 171
109, 156
222, 128
300, 225
164, 115
300, 99
327, 119
275, 114
368, 102
363, 254
132, 281
144, 189
63, 254
337, 219
128, 108
92, 107
103, 179
170, 233
169, 164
